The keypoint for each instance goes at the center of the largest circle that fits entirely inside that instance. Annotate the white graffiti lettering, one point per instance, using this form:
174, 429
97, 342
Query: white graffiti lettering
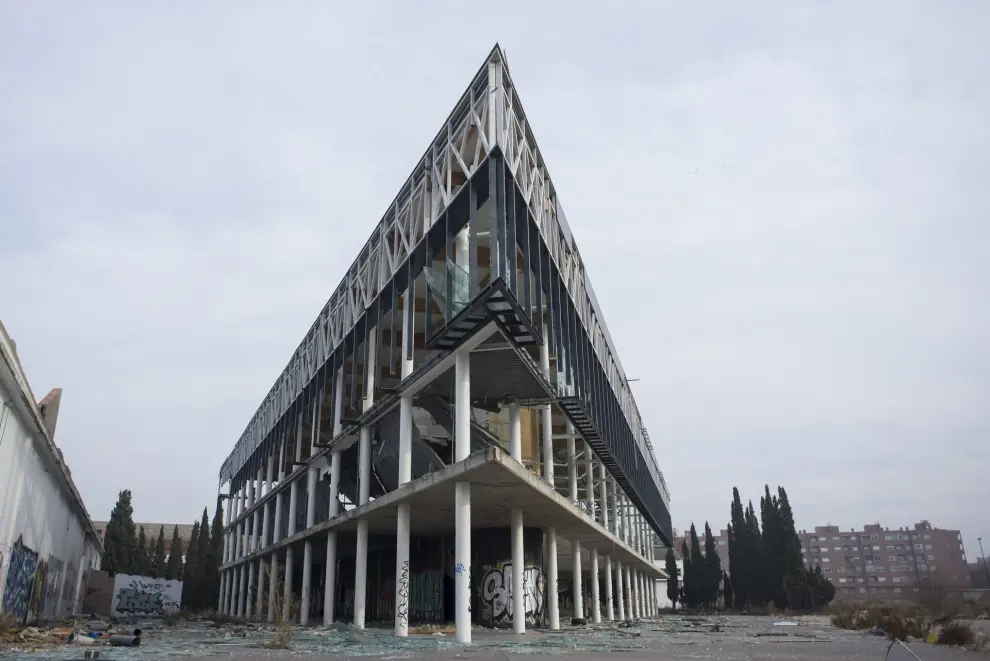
496, 592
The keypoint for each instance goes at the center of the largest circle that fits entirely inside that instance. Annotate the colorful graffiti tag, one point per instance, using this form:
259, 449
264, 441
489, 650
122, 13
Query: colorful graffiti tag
21, 568
496, 594
140, 595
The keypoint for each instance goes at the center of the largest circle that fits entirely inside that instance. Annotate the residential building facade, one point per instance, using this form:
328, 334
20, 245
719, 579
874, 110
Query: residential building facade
47, 540
883, 563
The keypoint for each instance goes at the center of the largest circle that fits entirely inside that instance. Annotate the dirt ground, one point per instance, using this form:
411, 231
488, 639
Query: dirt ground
666, 638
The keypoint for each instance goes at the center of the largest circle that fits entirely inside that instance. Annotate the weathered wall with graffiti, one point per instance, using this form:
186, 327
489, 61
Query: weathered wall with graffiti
141, 595
22, 565
43, 525
492, 576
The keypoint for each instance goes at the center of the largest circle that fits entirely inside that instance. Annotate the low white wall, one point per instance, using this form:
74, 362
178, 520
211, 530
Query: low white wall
141, 595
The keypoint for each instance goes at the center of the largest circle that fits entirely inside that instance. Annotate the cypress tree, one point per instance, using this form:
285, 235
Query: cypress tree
673, 585
699, 571
727, 593
792, 568
772, 548
120, 539
142, 564
754, 549
173, 570
205, 547
158, 556
713, 569
190, 571
687, 578
740, 563
216, 557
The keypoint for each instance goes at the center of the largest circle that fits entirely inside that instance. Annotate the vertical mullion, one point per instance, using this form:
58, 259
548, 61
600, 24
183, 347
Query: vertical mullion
409, 311
523, 219
392, 331
541, 296
472, 239
495, 257
509, 214
428, 257
448, 273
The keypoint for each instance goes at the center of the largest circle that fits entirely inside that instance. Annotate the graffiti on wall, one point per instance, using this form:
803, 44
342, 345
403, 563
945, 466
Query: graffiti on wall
37, 603
140, 595
21, 568
69, 590
496, 594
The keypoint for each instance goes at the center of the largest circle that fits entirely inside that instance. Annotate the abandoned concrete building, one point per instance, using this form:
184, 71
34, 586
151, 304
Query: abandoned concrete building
455, 439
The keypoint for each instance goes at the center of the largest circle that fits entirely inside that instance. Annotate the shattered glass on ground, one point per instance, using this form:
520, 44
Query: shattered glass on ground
725, 638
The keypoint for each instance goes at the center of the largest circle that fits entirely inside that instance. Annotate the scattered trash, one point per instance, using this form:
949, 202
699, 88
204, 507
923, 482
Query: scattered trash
81, 639
121, 640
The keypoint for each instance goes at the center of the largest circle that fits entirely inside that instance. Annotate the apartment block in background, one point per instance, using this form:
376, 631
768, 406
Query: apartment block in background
881, 563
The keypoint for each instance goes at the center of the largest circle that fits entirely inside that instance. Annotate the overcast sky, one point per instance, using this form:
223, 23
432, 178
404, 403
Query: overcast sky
784, 209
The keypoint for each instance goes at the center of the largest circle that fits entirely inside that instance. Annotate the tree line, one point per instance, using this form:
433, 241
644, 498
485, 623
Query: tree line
128, 550
765, 564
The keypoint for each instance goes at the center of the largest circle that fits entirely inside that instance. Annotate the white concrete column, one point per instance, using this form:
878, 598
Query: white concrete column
330, 568
237, 591
312, 475
307, 578
515, 432
243, 597
222, 604
287, 587
576, 579
250, 493
640, 595
227, 515
280, 496
270, 471
572, 491
462, 497
609, 603
307, 588
364, 485
589, 479
553, 599
403, 523
260, 605
620, 601
256, 531
627, 521
614, 498
330, 589
232, 583
518, 573
547, 413
596, 610
627, 585
641, 534
361, 560
273, 586
241, 539
603, 495
248, 602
